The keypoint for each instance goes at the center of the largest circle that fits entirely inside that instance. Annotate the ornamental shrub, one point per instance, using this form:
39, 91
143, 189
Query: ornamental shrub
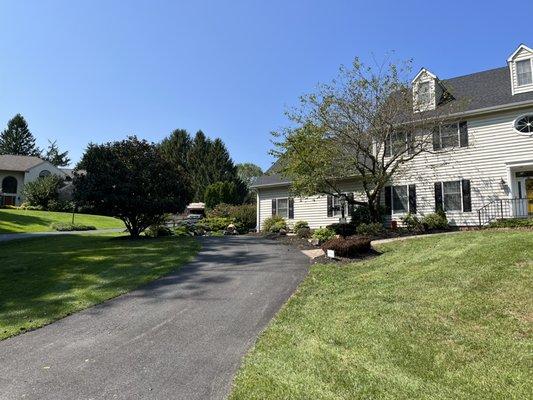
274, 224
156, 231
343, 229
348, 247
323, 234
371, 229
42, 191
435, 221
244, 215
413, 223
67, 227
300, 224
216, 223
303, 232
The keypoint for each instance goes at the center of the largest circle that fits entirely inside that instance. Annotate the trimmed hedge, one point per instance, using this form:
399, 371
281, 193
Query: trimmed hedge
348, 247
63, 227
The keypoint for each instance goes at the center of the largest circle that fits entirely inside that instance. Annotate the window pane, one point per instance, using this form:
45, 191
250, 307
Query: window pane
337, 209
423, 93
399, 142
283, 208
452, 196
400, 199
449, 135
523, 72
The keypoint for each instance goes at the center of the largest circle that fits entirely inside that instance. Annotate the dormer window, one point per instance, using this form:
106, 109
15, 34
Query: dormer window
423, 93
523, 72
426, 91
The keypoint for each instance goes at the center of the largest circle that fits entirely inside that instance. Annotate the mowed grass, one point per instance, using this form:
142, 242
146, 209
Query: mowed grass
18, 221
444, 317
44, 279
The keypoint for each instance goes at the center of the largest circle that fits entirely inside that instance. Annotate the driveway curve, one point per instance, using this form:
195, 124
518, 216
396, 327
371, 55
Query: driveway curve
180, 337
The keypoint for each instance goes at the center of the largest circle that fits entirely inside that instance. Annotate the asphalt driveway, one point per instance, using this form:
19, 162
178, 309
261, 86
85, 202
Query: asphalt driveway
181, 337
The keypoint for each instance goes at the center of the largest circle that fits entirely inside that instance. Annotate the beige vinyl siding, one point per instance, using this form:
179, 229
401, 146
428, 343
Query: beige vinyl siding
313, 209
493, 142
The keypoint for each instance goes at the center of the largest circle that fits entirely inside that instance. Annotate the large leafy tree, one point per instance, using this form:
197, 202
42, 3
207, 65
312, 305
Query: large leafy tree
130, 180
55, 156
360, 126
248, 172
17, 138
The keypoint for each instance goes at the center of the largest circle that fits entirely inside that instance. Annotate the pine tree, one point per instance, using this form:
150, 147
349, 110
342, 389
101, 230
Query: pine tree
175, 149
17, 138
199, 170
54, 156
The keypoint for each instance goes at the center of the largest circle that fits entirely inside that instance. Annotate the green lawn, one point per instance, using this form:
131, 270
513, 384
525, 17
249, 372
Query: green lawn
17, 221
43, 279
444, 317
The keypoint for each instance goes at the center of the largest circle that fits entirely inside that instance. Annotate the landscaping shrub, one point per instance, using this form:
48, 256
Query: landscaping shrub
182, 231
512, 223
156, 231
343, 229
348, 247
371, 229
303, 232
215, 223
244, 215
435, 221
412, 223
300, 224
361, 215
274, 224
67, 227
323, 234
57, 205
42, 191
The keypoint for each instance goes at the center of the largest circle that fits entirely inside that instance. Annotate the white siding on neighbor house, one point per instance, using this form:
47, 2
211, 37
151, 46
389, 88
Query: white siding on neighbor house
313, 209
493, 145
523, 54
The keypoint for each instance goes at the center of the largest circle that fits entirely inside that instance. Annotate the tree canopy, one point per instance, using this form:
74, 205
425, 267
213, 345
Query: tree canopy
55, 156
130, 180
248, 172
17, 139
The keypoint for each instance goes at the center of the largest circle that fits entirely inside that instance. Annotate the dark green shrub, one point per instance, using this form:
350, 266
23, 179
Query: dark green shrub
323, 234
412, 223
182, 231
215, 223
303, 232
361, 215
274, 224
67, 227
435, 221
512, 223
348, 247
300, 224
371, 229
158, 231
343, 229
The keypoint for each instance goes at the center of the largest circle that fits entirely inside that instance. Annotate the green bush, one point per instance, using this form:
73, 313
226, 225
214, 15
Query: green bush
42, 191
361, 215
274, 224
303, 232
512, 223
348, 247
220, 192
28, 206
435, 221
156, 231
300, 224
56, 205
343, 229
212, 224
182, 231
323, 234
243, 216
371, 229
412, 223
67, 227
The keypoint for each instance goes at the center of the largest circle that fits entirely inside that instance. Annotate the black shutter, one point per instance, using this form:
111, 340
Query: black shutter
273, 207
330, 205
350, 205
438, 196
410, 143
412, 199
388, 151
388, 199
463, 133
291, 208
436, 138
467, 197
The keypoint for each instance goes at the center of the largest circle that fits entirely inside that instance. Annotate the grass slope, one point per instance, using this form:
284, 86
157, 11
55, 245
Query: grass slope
445, 317
43, 279
17, 221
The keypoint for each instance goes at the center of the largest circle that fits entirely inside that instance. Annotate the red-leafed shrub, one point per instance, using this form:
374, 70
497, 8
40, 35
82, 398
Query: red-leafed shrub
348, 247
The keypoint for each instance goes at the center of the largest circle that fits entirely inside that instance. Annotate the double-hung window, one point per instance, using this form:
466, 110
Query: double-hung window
338, 207
524, 74
451, 193
397, 142
400, 199
423, 95
282, 208
450, 135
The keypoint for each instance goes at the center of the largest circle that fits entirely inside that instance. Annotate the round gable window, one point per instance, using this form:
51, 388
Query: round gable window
44, 173
524, 124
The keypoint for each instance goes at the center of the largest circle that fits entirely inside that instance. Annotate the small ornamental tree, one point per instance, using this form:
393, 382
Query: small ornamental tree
360, 126
42, 191
130, 180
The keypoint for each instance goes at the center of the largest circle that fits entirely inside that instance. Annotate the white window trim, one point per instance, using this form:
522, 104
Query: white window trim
277, 207
458, 136
395, 212
460, 190
338, 213
517, 119
518, 85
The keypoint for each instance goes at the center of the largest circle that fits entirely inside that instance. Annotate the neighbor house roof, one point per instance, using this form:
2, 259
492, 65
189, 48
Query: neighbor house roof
271, 177
9, 162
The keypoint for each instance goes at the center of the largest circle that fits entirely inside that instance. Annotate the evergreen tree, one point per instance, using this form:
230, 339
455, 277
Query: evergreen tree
54, 156
199, 170
17, 139
175, 149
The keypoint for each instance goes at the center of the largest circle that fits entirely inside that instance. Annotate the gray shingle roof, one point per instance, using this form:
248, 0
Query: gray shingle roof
476, 91
9, 162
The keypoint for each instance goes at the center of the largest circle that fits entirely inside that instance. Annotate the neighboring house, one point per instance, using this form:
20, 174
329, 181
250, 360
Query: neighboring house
481, 169
16, 171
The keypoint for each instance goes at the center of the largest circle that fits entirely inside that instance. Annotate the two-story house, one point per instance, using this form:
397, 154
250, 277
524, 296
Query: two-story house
481, 167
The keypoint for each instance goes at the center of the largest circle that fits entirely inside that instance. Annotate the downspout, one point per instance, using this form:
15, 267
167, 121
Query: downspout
258, 212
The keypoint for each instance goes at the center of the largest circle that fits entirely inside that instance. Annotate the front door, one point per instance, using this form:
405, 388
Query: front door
9, 201
529, 191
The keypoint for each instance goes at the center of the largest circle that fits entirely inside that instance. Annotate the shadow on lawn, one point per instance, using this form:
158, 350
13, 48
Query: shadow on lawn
11, 223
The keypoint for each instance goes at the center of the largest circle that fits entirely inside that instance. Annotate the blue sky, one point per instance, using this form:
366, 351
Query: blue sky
82, 71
